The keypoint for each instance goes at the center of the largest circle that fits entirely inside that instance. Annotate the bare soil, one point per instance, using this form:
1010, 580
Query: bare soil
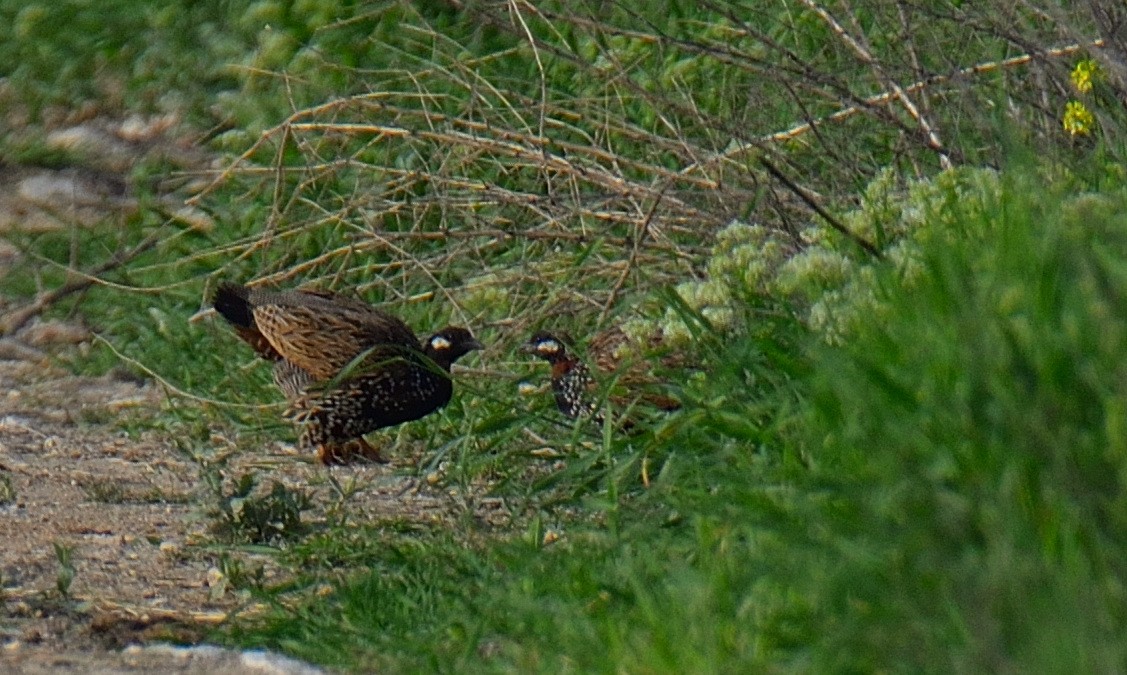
131, 512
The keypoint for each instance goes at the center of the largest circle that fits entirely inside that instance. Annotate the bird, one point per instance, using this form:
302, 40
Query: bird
345, 367
575, 387
572, 383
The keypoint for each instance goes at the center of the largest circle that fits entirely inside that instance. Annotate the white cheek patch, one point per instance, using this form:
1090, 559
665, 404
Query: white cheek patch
550, 347
438, 343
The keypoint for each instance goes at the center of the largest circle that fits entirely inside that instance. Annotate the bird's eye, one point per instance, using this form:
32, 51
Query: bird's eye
439, 343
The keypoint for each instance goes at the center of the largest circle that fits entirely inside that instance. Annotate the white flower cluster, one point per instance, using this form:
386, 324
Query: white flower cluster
824, 272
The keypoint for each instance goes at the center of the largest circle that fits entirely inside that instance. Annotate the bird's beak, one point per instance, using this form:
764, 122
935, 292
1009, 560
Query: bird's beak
474, 344
528, 348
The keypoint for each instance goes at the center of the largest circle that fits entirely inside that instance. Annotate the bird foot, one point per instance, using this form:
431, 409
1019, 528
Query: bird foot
346, 453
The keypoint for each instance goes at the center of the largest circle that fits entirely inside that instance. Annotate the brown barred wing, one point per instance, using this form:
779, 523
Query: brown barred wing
320, 333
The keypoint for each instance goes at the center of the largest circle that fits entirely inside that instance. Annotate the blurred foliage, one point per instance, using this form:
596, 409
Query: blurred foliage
911, 460
970, 446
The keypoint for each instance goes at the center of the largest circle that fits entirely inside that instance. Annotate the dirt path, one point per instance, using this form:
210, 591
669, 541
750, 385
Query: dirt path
130, 513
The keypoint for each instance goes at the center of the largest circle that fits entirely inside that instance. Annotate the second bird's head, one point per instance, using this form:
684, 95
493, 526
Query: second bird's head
546, 346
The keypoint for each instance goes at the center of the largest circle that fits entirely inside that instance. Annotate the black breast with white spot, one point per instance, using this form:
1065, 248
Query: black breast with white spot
398, 390
572, 386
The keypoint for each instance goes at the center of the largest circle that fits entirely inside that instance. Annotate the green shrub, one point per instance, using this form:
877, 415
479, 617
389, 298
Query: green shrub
969, 451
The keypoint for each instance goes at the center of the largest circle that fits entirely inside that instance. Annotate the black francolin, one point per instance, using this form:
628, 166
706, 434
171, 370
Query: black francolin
572, 384
575, 388
345, 367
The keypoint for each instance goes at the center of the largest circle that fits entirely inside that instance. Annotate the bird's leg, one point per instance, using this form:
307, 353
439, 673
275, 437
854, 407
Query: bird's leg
368, 451
345, 453
332, 453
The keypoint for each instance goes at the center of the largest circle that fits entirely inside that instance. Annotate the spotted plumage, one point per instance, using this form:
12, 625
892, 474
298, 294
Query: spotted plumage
573, 385
345, 367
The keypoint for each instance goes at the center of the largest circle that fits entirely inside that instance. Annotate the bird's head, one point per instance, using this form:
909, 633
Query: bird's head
546, 346
450, 344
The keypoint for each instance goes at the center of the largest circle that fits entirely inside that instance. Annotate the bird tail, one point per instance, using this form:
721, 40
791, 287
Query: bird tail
232, 301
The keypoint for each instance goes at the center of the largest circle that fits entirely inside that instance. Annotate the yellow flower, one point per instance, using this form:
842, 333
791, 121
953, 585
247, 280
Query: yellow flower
1078, 120
1084, 74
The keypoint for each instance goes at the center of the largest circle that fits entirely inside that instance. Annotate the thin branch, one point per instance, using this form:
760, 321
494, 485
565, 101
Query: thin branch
867, 58
643, 229
168, 386
16, 319
886, 97
826, 215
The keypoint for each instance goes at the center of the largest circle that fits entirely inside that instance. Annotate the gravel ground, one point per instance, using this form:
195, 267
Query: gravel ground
131, 512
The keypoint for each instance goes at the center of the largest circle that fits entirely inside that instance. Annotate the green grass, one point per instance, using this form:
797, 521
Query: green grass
7, 492
977, 439
941, 495
910, 460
